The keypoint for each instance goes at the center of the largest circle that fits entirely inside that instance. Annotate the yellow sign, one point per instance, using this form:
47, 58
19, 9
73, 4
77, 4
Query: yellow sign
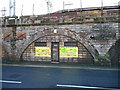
69, 52
42, 51
95, 12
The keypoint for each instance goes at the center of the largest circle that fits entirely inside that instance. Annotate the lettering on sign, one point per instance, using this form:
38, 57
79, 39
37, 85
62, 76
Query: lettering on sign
42, 52
69, 52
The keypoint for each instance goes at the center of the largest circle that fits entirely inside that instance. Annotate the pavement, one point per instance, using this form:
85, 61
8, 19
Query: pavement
59, 75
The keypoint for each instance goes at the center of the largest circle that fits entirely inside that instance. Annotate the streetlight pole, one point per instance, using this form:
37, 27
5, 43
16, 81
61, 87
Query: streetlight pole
3, 11
63, 5
81, 4
33, 9
22, 10
14, 8
81, 9
101, 8
63, 10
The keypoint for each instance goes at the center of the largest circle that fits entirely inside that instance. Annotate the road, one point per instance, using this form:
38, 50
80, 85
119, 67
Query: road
51, 76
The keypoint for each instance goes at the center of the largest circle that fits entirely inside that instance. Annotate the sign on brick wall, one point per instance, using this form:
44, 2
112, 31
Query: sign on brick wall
69, 52
8, 35
21, 35
42, 52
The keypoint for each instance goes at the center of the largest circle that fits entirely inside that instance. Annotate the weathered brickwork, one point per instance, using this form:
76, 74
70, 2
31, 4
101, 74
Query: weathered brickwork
83, 54
77, 32
114, 53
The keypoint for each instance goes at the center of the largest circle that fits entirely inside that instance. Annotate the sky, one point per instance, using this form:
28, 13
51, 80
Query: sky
40, 6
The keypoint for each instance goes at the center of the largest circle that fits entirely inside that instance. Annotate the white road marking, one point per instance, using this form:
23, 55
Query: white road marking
86, 87
4, 81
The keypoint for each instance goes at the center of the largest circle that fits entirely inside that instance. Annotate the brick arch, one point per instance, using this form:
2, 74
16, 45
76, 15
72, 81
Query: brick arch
6, 47
113, 45
114, 53
65, 32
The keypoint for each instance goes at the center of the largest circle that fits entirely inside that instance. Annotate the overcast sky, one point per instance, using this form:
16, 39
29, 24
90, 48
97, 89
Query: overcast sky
40, 6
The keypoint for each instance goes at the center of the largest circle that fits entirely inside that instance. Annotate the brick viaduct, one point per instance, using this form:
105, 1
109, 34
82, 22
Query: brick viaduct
78, 32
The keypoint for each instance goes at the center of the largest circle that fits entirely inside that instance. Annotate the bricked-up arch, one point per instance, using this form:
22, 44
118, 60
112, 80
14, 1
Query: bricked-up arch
114, 53
65, 32
84, 57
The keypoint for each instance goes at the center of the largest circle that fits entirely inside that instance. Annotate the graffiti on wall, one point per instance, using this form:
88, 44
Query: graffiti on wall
69, 52
42, 52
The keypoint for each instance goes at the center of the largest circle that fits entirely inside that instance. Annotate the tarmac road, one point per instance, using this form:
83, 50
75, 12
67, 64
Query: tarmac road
51, 76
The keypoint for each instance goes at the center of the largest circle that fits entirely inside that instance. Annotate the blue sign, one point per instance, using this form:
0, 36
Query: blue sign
92, 35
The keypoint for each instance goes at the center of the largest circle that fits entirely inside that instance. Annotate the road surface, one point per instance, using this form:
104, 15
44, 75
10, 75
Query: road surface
35, 76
